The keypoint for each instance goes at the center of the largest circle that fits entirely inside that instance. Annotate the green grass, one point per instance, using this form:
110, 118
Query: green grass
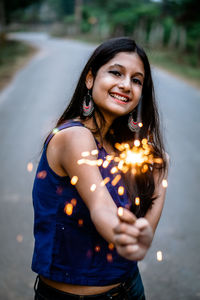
13, 55
177, 63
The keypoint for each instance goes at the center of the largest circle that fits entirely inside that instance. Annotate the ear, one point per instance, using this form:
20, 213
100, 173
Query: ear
89, 80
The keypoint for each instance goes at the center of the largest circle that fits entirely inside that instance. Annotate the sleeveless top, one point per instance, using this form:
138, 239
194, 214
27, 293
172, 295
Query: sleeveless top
68, 247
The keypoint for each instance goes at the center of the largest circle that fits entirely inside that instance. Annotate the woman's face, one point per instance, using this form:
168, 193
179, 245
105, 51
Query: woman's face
117, 88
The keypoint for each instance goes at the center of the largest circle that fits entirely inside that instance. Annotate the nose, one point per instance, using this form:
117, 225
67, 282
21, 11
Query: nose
125, 84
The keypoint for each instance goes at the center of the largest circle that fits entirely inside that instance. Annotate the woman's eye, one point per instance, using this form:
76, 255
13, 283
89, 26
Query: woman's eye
137, 81
117, 73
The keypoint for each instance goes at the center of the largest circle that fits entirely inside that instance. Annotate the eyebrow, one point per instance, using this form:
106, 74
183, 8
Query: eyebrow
120, 66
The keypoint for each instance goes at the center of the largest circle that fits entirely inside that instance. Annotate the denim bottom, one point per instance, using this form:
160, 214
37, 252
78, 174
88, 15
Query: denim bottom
131, 289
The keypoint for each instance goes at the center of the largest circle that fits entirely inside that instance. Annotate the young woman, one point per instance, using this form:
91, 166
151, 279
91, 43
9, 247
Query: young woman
85, 249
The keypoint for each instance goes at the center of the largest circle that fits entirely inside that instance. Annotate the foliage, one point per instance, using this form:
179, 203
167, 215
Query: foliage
12, 6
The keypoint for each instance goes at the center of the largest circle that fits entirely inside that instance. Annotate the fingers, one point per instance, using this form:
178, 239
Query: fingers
124, 239
126, 216
128, 229
141, 223
130, 252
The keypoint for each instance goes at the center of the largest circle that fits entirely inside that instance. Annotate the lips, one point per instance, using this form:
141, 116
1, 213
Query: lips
120, 97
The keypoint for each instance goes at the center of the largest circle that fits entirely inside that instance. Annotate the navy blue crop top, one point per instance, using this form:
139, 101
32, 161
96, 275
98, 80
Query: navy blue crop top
68, 248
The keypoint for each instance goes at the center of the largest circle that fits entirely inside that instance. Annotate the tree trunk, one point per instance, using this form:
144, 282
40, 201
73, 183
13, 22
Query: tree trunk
78, 14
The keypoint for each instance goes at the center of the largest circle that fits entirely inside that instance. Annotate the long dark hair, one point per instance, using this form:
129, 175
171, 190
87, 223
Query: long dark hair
141, 185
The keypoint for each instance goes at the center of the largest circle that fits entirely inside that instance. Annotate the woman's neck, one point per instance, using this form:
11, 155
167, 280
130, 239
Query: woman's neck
90, 124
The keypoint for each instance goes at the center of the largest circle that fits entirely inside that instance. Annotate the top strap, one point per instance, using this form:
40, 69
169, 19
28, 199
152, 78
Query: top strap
67, 124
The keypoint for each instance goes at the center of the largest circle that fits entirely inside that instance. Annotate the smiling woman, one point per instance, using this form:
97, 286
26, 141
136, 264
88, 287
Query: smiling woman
117, 87
85, 247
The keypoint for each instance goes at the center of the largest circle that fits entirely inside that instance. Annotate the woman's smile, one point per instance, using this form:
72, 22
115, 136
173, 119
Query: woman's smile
117, 87
120, 98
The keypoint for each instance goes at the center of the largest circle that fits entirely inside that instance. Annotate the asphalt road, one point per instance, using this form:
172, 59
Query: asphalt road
29, 107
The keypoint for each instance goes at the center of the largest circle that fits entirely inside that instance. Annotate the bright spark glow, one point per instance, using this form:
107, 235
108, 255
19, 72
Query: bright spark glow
158, 160
105, 164
145, 168
120, 190
139, 158
137, 143
105, 181
109, 257
113, 170
134, 158
165, 183
99, 162
94, 152
90, 162
140, 124
159, 256
93, 187
97, 248
120, 211
55, 130
68, 209
109, 158
85, 153
116, 179
73, 202
42, 174
111, 246
29, 167
74, 180
137, 200
144, 141
80, 222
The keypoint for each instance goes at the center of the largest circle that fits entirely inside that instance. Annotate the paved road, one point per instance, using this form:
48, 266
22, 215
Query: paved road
29, 107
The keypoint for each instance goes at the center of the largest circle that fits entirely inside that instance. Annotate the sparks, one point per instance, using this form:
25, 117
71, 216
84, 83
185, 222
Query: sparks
73, 202
138, 158
29, 167
120, 190
80, 222
55, 130
105, 164
97, 248
137, 200
159, 256
116, 179
68, 209
94, 152
85, 153
93, 187
164, 183
105, 181
109, 257
111, 246
74, 180
120, 211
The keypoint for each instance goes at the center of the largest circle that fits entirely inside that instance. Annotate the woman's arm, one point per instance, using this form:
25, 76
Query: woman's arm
70, 144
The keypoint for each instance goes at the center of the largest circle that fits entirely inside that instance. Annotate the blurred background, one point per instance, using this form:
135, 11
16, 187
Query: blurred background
44, 45
170, 27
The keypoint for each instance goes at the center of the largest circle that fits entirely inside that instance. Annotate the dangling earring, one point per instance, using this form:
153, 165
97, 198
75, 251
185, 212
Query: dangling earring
132, 125
88, 105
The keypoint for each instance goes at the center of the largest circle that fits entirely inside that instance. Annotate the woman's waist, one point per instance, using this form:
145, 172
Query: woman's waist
78, 289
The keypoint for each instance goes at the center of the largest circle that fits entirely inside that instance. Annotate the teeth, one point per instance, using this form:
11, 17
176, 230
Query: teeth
119, 97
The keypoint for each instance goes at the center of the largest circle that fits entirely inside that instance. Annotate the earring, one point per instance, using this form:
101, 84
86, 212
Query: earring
132, 125
88, 105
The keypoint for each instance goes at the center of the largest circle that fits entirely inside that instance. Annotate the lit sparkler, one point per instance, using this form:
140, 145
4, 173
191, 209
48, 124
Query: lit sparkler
138, 158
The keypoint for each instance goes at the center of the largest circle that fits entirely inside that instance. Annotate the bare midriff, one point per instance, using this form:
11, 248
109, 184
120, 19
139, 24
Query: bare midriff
78, 289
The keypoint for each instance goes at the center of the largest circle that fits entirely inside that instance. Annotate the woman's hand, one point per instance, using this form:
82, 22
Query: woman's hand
132, 236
